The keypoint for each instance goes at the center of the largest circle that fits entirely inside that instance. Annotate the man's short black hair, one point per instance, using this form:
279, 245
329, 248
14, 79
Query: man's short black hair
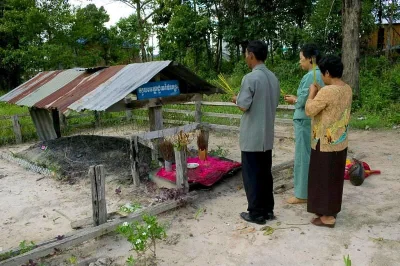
333, 64
309, 50
259, 49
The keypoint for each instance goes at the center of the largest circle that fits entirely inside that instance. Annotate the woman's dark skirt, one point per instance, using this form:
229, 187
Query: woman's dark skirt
325, 181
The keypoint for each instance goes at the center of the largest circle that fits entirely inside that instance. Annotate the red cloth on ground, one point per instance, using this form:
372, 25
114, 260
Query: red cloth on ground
207, 173
367, 169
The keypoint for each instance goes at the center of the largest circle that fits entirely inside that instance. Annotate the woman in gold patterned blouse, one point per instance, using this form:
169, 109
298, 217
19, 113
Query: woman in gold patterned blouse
329, 109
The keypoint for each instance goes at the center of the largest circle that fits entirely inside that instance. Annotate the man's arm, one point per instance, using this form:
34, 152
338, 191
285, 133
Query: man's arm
245, 97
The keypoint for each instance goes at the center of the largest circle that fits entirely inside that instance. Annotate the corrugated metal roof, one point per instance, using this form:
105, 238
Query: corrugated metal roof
98, 89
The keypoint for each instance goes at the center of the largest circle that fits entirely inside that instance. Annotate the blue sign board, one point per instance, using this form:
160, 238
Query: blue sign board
158, 89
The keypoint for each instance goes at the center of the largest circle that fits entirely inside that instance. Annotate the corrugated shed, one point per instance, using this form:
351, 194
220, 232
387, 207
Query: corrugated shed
98, 89
119, 86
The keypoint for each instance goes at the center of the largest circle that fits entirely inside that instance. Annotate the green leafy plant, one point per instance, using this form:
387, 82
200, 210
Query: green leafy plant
347, 260
24, 246
130, 207
219, 152
143, 237
72, 260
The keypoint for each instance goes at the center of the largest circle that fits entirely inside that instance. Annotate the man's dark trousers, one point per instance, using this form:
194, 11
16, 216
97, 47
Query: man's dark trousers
258, 182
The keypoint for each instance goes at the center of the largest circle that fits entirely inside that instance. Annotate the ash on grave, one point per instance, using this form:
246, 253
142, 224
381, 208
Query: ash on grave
71, 157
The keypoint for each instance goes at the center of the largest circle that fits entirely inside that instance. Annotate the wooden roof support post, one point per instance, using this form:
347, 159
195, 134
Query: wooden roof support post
156, 123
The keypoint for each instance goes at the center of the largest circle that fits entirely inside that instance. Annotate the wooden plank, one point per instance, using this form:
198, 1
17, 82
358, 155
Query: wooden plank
181, 170
83, 235
79, 224
223, 128
178, 111
97, 177
222, 115
229, 104
168, 131
17, 129
134, 148
163, 101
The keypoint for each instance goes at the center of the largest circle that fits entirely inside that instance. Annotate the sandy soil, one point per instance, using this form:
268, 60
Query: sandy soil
368, 228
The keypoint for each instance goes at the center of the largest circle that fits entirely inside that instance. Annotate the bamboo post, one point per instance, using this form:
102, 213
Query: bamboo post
181, 170
98, 178
17, 129
134, 160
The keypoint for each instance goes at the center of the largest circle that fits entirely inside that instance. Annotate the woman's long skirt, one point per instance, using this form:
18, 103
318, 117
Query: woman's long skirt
302, 133
325, 181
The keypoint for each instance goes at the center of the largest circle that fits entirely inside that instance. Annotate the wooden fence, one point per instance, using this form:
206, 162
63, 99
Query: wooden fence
16, 126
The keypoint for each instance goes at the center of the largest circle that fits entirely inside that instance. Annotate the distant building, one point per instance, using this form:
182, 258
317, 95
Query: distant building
378, 40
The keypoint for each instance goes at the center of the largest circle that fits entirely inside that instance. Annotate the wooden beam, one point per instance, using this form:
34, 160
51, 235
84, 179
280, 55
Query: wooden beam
229, 104
16, 129
163, 101
168, 132
83, 235
98, 180
223, 128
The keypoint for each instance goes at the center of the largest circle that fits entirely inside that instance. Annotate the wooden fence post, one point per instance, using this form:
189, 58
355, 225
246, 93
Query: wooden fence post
156, 123
197, 114
98, 180
134, 157
17, 129
128, 114
181, 170
96, 119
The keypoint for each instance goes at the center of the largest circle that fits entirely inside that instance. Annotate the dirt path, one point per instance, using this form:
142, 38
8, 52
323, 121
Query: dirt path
368, 228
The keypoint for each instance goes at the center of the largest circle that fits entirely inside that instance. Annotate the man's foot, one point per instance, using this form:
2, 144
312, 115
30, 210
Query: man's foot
294, 200
257, 220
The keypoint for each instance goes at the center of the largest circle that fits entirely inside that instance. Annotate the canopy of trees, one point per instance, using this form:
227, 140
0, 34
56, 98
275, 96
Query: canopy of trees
206, 35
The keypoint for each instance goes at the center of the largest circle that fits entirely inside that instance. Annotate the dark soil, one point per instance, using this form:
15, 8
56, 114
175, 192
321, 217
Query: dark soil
71, 157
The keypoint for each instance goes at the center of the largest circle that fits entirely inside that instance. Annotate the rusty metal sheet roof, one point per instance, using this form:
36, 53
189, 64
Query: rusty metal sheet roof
118, 87
98, 89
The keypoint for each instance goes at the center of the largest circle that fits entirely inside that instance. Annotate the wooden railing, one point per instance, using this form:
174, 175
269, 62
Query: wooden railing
198, 115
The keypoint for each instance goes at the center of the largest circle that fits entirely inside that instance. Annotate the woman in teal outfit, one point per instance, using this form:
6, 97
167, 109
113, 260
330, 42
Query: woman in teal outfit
302, 123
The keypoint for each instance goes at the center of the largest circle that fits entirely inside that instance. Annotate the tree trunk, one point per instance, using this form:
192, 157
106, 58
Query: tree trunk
141, 32
389, 32
351, 17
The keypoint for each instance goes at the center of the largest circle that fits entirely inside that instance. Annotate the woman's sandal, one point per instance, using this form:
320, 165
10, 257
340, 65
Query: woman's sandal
318, 222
